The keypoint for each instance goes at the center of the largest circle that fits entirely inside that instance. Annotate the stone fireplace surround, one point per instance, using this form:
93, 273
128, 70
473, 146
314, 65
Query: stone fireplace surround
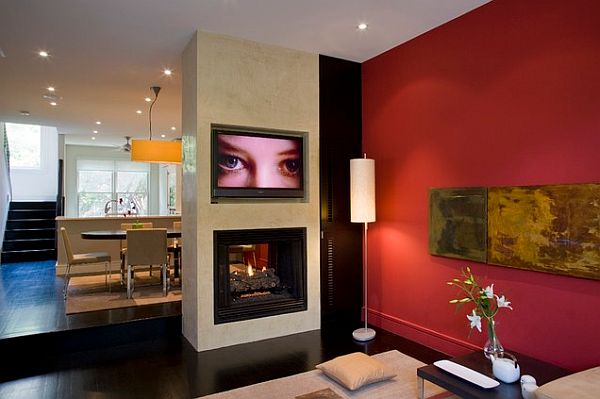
242, 83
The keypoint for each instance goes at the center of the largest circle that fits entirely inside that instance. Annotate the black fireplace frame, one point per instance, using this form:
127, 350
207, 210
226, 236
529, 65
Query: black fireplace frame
225, 311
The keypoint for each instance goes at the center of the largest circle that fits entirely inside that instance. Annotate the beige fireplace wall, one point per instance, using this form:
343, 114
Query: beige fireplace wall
238, 82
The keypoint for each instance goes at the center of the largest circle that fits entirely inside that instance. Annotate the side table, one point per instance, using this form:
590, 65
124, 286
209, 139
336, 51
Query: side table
542, 371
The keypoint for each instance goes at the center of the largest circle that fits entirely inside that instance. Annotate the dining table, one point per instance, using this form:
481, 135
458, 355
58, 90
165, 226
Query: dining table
119, 234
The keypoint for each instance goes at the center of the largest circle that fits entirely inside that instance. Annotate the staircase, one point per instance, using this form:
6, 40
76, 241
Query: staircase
30, 232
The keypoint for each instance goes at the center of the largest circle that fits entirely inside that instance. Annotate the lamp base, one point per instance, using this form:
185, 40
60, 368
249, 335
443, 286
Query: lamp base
363, 334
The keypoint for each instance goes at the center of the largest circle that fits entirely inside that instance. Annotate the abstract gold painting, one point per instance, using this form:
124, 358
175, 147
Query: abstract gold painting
553, 228
457, 223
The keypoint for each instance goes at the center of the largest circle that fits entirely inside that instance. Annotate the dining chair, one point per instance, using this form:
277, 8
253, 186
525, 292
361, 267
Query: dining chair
123, 243
174, 250
82, 259
146, 247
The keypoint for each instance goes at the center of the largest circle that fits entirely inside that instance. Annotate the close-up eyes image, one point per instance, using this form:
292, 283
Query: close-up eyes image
291, 166
230, 162
258, 162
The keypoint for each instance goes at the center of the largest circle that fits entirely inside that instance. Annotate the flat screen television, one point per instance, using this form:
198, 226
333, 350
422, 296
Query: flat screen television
255, 163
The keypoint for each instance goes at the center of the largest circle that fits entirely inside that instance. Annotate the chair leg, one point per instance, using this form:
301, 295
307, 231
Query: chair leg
129, 281
122, 271
165, 279
66, 287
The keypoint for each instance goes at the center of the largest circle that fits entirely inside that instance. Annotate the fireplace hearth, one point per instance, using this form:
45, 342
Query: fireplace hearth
259, 273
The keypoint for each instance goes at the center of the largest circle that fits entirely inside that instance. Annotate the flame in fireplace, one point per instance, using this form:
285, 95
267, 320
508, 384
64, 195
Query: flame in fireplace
264, 269
250, 270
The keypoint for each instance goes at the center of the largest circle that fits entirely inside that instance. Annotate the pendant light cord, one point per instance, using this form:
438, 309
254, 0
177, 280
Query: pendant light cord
156, 90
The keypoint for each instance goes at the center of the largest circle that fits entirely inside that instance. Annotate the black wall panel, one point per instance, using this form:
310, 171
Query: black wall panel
340, 140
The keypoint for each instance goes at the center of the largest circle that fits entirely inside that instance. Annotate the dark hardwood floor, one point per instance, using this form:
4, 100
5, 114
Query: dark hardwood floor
31, 303
163, 365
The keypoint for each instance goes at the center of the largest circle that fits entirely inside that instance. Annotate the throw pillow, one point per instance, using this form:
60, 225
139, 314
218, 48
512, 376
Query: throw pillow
355, 370
581, 385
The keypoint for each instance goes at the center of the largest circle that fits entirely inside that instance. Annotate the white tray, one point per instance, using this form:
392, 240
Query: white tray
467, 374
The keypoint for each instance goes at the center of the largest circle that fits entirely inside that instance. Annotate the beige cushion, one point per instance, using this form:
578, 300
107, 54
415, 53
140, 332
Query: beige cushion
355, 370
582, 385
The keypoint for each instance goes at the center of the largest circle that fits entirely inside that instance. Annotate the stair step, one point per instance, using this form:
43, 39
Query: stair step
30, 224
28, 244
47, 347
32, 205
31, 214
18, 234
28, 256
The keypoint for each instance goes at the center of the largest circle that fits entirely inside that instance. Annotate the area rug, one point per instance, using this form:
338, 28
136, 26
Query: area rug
403, 386
89, 293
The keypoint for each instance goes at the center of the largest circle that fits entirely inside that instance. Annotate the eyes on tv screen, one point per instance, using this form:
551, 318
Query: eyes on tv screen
257, 164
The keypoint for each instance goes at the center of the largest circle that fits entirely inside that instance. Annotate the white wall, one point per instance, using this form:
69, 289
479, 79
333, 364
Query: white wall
164, 189
237, 82
4, 186
75, 152
40, 184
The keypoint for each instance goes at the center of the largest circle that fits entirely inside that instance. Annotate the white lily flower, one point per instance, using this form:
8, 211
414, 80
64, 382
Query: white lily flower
489, 291
502, 302
475, 320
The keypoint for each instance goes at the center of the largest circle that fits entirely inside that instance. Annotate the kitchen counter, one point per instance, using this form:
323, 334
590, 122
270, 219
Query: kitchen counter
75, 226
121, 218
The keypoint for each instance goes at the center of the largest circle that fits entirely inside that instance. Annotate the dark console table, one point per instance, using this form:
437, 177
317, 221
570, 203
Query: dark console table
542, 371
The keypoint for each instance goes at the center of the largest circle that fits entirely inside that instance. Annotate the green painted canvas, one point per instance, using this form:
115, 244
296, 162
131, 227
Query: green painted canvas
457, 223
554, 228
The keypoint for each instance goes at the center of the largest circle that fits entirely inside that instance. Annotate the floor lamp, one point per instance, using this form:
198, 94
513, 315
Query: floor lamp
362, 210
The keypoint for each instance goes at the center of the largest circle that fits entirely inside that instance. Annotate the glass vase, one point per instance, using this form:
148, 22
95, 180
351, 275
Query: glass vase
492, 347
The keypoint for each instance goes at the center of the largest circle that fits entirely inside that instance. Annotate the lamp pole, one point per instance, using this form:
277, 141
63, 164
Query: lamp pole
362, 210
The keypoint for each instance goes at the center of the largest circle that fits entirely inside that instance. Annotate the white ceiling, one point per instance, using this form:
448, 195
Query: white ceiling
105, 54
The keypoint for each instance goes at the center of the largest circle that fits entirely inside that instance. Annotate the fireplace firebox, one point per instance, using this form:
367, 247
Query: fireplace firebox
259, 273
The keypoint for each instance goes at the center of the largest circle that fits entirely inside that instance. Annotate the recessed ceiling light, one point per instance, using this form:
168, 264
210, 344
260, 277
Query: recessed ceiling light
95, 132
50, 88
173, 128
167, 72
43, 53
93, 138
139, 111
362, 26
24, 113
147, 99
98, 123
163, 135
53, 103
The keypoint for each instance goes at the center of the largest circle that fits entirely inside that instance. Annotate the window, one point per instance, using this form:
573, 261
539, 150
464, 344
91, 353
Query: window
171, 188
24, 143
114, 187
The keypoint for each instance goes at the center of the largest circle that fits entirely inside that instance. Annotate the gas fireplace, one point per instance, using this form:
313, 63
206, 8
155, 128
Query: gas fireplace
259, 273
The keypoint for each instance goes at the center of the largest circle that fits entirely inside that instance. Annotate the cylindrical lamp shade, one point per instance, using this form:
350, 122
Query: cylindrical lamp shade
362, 190
156, 151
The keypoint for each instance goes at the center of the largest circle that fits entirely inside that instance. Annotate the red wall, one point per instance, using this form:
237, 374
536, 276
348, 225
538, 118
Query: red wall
508, 94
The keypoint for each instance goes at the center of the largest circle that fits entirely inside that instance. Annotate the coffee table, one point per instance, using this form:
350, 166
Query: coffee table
543, 372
